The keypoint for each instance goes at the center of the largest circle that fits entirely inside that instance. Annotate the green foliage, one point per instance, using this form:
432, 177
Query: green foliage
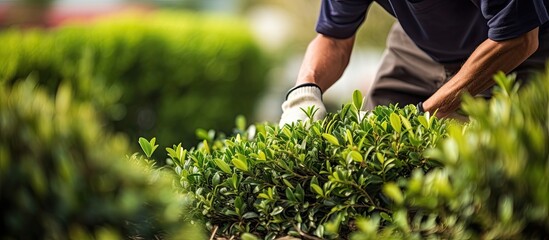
174, 69
494, 184
148, 146
62, 176
311, 178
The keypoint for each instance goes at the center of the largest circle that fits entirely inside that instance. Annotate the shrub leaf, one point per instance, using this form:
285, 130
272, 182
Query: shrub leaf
330, 138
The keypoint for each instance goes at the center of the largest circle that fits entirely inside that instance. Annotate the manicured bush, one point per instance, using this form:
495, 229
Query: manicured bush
162, 73
387, 174
312, 178
495, 180
62, 176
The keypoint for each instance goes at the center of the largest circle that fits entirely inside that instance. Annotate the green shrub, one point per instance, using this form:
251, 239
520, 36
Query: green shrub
308, 179
62, 176
495, 180
166, 73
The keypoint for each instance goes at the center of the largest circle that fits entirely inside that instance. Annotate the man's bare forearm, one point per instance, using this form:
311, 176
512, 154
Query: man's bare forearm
475, 76
325, 61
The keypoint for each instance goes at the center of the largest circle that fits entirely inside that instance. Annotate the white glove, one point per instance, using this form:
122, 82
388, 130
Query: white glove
298, 100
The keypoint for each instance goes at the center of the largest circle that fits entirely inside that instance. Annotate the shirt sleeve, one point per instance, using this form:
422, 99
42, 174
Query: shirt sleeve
341, 18
511, 18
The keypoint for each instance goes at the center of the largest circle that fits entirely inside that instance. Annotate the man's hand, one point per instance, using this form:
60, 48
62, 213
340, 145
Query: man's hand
325, 60
298, 100
475, 76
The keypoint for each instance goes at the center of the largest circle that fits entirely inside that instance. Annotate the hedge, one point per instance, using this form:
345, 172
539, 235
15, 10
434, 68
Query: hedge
495, 180
63, 176
166, 73
391, 173
273, 182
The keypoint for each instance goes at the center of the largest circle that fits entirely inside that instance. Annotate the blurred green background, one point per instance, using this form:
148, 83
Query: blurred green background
165, 68
82, 80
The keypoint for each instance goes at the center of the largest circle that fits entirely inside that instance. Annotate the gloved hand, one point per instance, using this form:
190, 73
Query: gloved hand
298, 100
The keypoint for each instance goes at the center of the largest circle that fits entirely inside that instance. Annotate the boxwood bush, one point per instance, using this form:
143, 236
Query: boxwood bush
308, 179
391, 173
166, 73
495, 179
62, 176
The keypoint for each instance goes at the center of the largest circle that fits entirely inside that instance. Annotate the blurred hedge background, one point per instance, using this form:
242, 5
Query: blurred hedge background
164, 73
62, 176
162, 77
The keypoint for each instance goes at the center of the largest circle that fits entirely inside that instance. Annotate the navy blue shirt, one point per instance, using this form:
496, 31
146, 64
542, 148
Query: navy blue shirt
447, 30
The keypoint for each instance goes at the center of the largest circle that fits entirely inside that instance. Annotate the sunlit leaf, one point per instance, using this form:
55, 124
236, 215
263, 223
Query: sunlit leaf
222, 165
240, 164
395, 122
330, 138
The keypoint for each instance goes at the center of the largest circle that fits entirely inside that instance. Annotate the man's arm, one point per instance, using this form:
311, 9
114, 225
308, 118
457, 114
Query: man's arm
325, 61
475, 76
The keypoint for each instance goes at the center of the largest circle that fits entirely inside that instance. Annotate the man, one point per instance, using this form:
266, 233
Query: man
437, 50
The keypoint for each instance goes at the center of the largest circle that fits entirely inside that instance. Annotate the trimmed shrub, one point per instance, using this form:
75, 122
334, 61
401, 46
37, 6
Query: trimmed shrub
312, 178
495, 180
166, 73
62, 176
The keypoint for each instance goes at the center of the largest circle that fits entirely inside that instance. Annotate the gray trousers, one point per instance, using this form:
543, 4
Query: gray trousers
407, 75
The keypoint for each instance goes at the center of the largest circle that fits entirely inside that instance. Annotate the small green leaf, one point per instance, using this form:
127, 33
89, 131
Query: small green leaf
357, 100
216, 179
504, 82
319, 232
384, 126
261, 156
177, 152
202, 134
393, 191
277, 210
234, 180
171, 153
310, 111
222, 165
332, 227
287, 132
148, 147
270, 192
423, 121
368, 225
406, 123
385, 217
238, 203
317, 189
299, 193
340, 175
240, 123
206, 147
344, 111
330, 138
361, 143
356, 156
249, 215
290, 195
287, 183
263, 195
238, 163
380, 157
349, 137
248, 236
395, 122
